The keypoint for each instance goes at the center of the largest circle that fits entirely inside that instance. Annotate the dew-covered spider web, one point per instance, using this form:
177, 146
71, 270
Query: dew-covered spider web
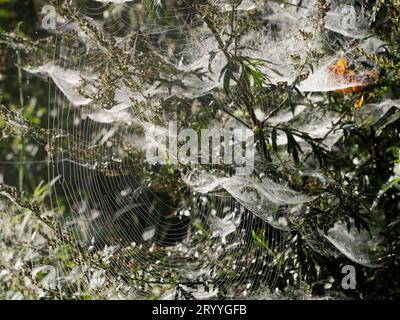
121, 71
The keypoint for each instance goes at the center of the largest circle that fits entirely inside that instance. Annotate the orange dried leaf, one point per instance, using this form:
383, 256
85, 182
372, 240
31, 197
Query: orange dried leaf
359, 102
342, 75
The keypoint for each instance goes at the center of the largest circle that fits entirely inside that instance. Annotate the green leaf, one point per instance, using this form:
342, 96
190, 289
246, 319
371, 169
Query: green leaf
260, 241
212, 55
156, 7
227, 80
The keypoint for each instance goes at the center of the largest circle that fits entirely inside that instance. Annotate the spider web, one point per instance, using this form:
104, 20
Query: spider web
214, 240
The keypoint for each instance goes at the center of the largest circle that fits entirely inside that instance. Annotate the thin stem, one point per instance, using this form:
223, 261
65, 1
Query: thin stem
22, 143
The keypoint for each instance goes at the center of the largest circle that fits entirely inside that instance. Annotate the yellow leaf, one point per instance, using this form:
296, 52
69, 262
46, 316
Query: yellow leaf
359, 102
